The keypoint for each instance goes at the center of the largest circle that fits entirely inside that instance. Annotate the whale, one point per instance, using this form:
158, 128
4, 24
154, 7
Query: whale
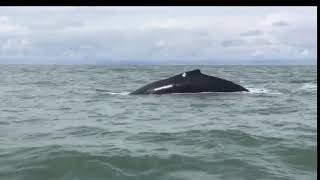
190, 82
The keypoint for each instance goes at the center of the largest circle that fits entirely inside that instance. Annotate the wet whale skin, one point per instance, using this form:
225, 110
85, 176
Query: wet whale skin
190, 82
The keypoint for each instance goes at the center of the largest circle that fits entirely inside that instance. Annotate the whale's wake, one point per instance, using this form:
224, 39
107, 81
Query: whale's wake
251, 91
113, 93
261, 91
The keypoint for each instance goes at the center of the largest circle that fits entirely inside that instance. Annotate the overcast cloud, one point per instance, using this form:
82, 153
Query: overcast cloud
183, 35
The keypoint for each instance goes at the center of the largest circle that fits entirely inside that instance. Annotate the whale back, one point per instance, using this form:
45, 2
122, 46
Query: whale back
193, 73
189, 82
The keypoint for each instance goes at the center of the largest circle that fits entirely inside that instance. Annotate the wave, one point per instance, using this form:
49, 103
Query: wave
309, 86
61, 162
300, 81
262, 91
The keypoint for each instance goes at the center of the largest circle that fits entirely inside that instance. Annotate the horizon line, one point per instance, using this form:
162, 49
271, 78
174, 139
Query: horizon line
151, 64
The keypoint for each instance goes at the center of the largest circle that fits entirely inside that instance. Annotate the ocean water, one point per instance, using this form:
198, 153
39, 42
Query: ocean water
79, 123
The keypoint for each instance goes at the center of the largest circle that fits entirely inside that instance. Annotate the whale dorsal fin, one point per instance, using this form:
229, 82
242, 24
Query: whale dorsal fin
193, 72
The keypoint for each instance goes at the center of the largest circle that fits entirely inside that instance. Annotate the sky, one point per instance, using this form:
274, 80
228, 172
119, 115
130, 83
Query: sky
158, 35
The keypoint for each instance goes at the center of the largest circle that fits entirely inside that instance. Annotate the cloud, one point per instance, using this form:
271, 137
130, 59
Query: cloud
252, 33
7, 27
280, 23
156, 34
305, 52
235, 42
15, 44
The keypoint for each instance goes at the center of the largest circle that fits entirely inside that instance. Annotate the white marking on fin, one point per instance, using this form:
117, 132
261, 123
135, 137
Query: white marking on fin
163, 87
184, 75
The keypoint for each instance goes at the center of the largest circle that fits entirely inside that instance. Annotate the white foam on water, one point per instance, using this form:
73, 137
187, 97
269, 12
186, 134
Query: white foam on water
261, 91
113, 93
118, 93
309, 86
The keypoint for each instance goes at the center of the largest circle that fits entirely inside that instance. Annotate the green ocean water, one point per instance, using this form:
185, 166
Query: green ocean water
79, 123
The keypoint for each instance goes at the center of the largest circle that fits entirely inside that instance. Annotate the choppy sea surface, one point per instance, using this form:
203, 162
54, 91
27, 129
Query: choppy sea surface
79, 123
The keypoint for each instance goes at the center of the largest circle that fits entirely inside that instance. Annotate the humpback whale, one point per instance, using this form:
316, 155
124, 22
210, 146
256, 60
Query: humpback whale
189, 82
